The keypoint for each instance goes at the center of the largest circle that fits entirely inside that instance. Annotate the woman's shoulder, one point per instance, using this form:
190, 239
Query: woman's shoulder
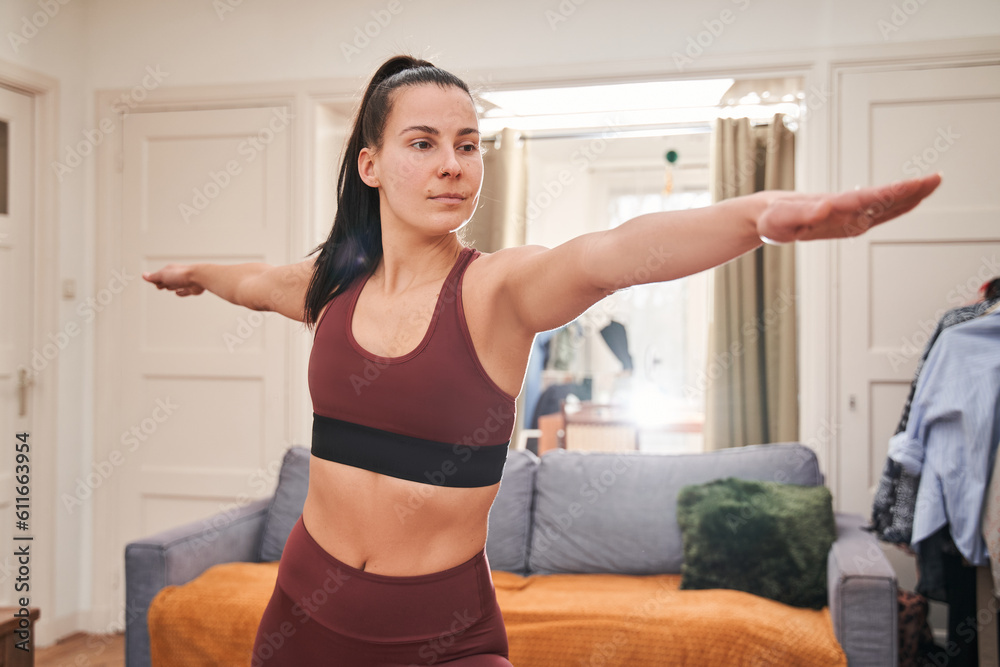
494, 268
507, 260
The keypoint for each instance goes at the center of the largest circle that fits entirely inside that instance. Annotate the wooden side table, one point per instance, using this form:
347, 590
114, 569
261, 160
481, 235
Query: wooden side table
551, 427
10, 655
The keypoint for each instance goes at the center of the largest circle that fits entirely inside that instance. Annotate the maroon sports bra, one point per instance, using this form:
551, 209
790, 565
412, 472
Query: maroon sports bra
432, 415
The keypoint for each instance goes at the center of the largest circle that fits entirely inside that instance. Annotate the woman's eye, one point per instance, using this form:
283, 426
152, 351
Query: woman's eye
421, 144
470, 148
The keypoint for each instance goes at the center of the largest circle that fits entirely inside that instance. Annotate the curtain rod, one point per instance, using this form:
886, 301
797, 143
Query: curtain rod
638, 130
687, 128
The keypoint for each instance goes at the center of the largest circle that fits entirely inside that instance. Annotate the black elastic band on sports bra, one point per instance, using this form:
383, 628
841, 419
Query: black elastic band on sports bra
407, 457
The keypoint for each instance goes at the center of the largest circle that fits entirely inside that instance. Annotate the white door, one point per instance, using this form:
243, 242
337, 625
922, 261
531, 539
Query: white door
897, 280
194, 391
17, 372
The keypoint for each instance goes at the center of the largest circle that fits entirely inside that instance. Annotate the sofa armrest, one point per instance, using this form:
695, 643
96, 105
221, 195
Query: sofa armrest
862, 596
177, 556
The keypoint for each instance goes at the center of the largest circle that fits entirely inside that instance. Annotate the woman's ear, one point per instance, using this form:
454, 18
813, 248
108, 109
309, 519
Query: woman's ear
366, 168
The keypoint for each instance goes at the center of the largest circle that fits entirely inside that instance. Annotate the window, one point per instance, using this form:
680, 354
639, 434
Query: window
665, 324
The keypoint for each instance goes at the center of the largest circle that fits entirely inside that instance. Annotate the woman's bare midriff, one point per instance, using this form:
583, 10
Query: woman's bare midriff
386, 525
397, 527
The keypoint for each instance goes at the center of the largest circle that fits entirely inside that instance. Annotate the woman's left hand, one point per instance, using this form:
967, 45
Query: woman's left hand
795, 216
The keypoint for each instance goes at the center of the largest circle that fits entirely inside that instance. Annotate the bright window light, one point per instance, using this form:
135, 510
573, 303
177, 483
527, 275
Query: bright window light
626, 107
612, 97
613, 122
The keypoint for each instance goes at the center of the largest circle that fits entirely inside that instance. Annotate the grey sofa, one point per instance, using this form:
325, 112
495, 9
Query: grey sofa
566, 512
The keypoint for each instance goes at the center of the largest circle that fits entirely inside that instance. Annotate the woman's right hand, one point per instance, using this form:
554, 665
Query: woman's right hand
175, 277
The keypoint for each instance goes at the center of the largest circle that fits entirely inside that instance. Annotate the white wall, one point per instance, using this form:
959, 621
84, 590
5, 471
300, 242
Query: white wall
97, 44
263, 41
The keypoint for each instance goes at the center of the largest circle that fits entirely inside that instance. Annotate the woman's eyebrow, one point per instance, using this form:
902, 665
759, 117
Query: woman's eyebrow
427, 129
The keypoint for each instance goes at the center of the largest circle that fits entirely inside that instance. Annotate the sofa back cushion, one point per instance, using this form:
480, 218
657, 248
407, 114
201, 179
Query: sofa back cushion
287, 503
617, 512
510, 516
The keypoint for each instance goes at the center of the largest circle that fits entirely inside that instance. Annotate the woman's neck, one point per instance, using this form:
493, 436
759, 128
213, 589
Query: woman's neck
407, 264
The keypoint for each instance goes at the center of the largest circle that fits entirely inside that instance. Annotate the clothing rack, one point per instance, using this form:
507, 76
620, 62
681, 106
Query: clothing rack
971, 517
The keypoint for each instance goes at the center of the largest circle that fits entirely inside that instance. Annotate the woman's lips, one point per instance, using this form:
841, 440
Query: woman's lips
449, 198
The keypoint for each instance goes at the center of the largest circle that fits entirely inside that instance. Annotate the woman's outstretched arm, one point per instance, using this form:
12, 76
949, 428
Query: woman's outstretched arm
254, 285
545, 288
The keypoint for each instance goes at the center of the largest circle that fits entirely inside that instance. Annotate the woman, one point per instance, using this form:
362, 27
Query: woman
420, 348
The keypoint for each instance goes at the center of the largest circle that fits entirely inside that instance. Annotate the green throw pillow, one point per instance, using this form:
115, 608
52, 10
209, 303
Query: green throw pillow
765, 538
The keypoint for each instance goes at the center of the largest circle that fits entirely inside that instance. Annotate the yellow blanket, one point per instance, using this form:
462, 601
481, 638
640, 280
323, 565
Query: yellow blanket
552, 621
212, 620
610, 619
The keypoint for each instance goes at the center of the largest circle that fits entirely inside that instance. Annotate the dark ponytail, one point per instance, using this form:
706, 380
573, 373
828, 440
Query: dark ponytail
354, 246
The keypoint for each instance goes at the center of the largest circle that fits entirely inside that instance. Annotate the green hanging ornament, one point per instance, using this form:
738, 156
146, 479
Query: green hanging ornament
668, 183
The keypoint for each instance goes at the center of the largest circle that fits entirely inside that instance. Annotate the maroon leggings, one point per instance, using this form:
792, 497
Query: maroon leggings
325, 612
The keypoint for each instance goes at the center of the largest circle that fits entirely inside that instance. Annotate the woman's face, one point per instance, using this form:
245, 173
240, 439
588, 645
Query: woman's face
429, 169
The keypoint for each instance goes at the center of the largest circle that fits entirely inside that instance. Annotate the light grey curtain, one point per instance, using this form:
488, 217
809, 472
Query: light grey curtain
752, 390
499, 220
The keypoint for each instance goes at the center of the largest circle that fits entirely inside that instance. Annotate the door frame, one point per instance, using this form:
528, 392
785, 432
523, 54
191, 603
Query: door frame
45, 318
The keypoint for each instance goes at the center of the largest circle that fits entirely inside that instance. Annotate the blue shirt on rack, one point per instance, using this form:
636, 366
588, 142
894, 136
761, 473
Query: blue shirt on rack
952, 434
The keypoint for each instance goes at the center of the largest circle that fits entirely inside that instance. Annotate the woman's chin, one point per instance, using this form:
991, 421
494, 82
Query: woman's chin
450, 223
439, 225
461, 225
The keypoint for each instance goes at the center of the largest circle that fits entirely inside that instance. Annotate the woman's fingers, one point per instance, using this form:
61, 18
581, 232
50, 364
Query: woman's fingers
803, 217
882, 203
158, 278
174, 277
898, 198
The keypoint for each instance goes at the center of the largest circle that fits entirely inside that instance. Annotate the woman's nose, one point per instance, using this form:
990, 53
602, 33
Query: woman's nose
450, 166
